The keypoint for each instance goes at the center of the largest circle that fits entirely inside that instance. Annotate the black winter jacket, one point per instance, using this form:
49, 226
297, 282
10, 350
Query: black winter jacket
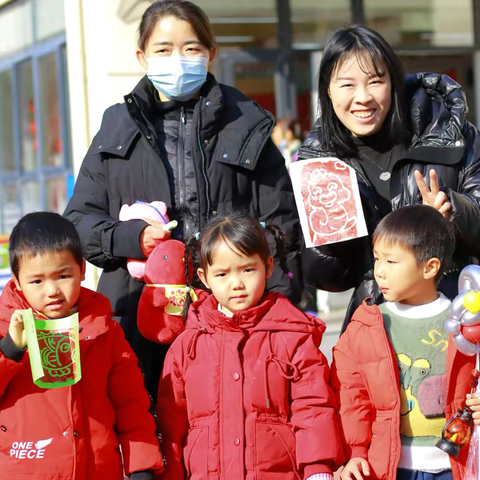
442, 140
236, 166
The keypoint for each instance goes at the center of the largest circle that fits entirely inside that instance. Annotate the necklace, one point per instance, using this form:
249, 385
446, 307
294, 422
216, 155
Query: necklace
386, 174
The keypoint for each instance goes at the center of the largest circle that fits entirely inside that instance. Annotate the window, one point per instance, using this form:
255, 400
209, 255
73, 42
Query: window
26, 109
7, 152
52, 148
35, 159
10, 207
49, 18
313, 21
245, 24
422, 23
16, 27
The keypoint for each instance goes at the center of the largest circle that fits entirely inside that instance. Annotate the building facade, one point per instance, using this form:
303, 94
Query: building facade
63, 62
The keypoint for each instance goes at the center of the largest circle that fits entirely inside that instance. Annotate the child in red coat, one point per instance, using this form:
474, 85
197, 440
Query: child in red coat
397, 376
244, 392
72, 431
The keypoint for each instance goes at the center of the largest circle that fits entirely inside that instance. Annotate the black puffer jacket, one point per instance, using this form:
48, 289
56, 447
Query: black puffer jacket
235, 165
442, 140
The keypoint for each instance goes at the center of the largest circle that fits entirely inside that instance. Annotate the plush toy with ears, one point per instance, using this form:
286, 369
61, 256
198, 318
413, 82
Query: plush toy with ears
156, 211
160, 311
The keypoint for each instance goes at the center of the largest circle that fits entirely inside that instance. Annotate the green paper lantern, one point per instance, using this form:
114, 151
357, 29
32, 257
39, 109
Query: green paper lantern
53, 349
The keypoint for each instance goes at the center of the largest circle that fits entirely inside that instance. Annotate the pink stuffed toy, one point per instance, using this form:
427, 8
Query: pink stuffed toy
159, 316
153, 211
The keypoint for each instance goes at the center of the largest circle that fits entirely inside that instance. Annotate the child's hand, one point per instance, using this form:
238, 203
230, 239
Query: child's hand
355, 468
474, 403
17, 330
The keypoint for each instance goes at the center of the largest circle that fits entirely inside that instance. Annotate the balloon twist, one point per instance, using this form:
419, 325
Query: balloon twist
464, 323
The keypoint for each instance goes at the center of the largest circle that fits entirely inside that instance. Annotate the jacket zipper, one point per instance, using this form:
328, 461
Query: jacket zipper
204, 165
403, 174
181, 157
150, 126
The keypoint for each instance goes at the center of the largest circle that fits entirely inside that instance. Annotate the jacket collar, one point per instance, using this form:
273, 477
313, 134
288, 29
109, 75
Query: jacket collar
368, 313
273, 313
93, 309
205, 313
143, 97
242, 127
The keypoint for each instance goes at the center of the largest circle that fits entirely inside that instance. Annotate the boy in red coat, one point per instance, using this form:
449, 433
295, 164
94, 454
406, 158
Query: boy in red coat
396, 375
70, 432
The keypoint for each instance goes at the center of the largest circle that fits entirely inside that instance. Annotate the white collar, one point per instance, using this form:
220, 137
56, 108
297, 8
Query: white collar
427, 310
227, 314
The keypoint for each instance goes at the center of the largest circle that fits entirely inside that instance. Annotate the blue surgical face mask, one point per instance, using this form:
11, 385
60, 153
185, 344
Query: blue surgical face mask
178, 78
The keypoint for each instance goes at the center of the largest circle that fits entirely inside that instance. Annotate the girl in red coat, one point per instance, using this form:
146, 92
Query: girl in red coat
244, 392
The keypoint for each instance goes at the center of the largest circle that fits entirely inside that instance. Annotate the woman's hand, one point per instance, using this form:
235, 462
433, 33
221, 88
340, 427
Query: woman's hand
433, 196
356, 468
152, 235
474, 403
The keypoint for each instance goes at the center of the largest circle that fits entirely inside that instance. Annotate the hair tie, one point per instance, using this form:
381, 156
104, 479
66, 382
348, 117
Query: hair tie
188, 289
263, 224
197, 236
289, 275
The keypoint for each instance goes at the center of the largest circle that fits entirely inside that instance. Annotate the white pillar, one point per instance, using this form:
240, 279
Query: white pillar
315, 60
102, 68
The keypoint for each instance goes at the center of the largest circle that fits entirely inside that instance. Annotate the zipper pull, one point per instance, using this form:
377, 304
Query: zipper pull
182, 114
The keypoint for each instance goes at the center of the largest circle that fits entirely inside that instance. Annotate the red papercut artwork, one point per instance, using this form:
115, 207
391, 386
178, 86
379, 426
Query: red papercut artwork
329, 205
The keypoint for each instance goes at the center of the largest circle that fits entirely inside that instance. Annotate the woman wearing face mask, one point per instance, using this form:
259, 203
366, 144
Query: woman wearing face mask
408, 141
181, 138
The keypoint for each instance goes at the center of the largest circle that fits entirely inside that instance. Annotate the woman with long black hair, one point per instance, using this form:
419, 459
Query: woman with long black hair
408, 141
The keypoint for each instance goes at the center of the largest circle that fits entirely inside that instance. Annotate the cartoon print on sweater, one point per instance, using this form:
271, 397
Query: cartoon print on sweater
414, 421
421, 350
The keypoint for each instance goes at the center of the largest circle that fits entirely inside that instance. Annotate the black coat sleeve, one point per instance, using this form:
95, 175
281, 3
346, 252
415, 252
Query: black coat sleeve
337, 267
105, 240
466, 200
275, 202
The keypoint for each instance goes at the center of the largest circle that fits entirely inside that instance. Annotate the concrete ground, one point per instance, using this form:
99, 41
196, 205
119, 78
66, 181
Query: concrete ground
334, 321
336, 303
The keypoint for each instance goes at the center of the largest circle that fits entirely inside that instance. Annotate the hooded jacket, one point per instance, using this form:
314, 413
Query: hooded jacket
248, 396
75, 432
202, 161
442, 140
367, 385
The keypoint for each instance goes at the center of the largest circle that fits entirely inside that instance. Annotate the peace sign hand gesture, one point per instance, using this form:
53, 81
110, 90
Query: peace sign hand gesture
433, 196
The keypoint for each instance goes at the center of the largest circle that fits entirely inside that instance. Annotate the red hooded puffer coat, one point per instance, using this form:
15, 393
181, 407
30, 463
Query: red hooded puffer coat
74, 432
366, 379
248, 397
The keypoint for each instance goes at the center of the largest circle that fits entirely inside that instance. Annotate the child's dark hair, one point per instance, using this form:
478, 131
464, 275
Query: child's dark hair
423, 231
244, 233
42, 232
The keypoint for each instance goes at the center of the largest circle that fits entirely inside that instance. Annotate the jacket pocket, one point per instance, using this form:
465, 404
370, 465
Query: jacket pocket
378, 456
275, 457
195, 453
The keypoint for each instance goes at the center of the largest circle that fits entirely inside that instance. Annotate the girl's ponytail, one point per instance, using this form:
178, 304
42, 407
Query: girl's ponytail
282, 244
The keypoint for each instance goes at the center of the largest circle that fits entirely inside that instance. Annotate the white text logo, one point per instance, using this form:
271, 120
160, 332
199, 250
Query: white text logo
29, 450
